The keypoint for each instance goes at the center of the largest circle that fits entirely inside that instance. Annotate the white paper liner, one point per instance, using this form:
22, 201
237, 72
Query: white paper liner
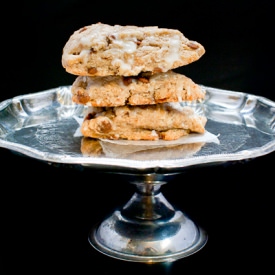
79, 120
150, 152
126, 147
190, 138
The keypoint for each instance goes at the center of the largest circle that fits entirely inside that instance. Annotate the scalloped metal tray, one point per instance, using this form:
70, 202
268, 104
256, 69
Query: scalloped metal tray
42, 125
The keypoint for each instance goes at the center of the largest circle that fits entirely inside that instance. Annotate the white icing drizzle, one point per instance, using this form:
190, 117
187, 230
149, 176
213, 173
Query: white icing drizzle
173, 50
125, 45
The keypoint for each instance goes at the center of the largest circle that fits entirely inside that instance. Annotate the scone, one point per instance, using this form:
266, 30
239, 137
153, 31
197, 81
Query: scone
166, 121
104, 50
146, 88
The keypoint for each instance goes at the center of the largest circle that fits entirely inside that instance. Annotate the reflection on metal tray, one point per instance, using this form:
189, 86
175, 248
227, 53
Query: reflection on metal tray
42, 125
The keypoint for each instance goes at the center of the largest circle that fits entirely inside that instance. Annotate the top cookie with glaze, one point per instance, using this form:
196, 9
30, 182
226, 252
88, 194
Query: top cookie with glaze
102, 50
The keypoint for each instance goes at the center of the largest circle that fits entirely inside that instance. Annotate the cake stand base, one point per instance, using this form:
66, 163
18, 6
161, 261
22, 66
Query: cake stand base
147, 229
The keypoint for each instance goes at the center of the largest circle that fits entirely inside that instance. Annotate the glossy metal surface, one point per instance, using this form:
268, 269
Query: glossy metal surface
148, 229
42, 125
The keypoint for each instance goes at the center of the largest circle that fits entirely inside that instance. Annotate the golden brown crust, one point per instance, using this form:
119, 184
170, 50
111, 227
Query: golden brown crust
168, 121
112, 91
91, 147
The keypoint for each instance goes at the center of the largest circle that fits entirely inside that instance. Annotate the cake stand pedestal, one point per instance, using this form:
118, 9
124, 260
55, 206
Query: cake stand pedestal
148, 228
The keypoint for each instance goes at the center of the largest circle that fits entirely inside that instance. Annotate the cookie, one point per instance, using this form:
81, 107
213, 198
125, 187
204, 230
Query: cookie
103, 50
91, 147
167, 121
110, 91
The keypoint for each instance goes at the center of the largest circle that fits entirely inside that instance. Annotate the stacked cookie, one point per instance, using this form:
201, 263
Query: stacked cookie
125, 78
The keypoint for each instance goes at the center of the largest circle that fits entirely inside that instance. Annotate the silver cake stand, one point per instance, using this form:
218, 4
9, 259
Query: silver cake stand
147, 228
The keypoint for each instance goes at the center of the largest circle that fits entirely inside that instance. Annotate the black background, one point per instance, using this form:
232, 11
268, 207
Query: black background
48, 210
